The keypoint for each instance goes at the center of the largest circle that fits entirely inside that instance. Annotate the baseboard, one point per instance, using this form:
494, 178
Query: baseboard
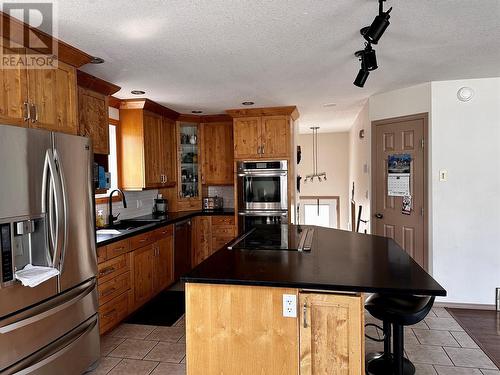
473, 306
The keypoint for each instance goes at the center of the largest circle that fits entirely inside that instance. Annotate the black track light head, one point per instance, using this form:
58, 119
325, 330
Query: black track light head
374, 32
361, 78
368, 58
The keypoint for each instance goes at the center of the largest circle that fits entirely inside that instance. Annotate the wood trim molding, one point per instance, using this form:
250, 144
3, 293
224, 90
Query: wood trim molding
373, 204
472, 306
114, 102
291, 111
149, 105
96, 84
65, 52
215, 118
113, 121
104, 200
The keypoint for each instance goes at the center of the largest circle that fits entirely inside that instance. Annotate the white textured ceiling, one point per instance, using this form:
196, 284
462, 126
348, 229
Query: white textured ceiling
213, 54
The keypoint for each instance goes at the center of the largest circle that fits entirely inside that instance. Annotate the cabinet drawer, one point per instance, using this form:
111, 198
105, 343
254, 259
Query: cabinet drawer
222, 220
223, 231
111, 313
101, 254
117, 248
112, 268
163, 232
113, 288
141, 240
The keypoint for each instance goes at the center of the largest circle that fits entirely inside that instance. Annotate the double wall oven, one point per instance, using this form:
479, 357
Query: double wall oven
262, 193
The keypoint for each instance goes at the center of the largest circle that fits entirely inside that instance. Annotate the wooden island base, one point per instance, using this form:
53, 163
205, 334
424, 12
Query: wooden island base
234, 329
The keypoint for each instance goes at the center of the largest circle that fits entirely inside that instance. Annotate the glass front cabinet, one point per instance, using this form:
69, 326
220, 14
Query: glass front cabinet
189, 165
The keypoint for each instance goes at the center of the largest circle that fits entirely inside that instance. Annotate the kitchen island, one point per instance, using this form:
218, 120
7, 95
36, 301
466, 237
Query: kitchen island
236, 301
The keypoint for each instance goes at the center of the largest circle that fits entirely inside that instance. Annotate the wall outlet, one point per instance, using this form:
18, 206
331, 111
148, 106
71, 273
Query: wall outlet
289, 305
139, 203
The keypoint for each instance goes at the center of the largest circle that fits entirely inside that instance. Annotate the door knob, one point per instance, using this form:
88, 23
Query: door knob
379, 216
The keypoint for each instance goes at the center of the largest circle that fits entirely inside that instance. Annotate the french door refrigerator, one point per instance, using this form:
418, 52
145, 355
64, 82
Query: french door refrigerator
46, 219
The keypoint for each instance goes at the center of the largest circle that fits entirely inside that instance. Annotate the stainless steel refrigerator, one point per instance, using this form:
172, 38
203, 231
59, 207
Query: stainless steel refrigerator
47, 219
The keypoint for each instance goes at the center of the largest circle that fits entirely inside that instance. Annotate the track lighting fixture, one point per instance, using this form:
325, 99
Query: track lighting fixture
374, 32
368, 58
361, 78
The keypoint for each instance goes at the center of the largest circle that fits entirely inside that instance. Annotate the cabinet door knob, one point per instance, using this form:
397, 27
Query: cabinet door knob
262, 149
305, 315
34, 109
27, 111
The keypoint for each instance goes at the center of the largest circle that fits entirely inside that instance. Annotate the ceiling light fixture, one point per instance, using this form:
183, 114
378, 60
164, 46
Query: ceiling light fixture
464, 94
322, 175
367, 57
374, 32
361, 78
138, 92
97, 60
248, 103
196, 111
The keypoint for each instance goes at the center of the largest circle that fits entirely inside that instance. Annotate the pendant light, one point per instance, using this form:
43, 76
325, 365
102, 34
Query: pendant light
322, 175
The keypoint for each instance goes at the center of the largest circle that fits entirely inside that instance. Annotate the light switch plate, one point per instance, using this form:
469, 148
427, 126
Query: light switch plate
289, 305
443, 175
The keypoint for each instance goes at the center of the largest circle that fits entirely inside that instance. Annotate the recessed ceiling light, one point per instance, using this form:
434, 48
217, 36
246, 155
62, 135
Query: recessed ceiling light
97, 60
465, 94
248, 103
329, 104
197, 111
137, 92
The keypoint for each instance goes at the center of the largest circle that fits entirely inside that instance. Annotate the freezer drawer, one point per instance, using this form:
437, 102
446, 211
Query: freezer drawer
30, 330
71, 354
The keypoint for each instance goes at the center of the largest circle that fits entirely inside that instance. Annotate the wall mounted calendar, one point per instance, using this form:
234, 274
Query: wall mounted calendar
398, 175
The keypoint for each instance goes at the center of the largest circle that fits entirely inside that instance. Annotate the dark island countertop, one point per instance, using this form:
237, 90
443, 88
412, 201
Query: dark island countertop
338, 261
160, 221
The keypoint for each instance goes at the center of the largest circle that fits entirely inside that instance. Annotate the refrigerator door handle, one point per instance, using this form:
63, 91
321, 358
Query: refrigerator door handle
64, 200
49, 308
55, 206
54, 350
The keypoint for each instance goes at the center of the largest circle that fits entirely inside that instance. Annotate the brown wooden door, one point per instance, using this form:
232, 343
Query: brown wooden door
168, 150
331, 334
13, 94
275, 137
247, 137
52, 93
143, 259
201, 240
163, 263
152, 149
93, 119
405, 135
217, 153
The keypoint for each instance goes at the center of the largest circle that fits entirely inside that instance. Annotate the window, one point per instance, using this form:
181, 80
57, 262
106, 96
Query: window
320, 211
112, 162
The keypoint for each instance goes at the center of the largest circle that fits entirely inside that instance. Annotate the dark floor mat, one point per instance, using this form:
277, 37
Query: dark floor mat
482, 327
163, 310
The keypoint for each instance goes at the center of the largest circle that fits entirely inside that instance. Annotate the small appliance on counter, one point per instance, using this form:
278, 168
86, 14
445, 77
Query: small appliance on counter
213, 203
160, 206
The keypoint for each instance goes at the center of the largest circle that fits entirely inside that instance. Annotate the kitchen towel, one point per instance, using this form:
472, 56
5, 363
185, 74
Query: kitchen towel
35, 275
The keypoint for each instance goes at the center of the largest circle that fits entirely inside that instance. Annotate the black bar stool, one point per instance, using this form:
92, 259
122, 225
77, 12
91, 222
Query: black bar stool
398, 311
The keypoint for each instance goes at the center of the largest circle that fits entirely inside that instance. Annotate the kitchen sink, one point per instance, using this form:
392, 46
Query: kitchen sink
123, 226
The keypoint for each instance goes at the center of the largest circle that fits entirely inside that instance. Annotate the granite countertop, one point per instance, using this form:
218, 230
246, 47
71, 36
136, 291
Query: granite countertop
339, 261
160, 221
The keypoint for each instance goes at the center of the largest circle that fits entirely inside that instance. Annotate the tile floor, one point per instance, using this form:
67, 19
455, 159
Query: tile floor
437, 346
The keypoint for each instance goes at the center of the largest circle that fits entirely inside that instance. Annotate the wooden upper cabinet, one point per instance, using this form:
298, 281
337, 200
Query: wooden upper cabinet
168, 149
331, 334
13, 95
93, 119
148, 149
247, 137
275, 136
152, 150
52, 97
217, 153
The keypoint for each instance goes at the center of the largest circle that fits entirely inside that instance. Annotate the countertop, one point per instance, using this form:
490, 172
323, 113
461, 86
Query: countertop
339, 261
170, 218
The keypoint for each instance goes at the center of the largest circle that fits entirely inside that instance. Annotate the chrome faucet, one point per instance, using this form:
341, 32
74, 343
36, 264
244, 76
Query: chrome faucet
111, 218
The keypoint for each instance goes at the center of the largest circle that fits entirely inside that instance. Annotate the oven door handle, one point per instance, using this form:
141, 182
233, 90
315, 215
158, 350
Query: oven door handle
262, 174
263, 213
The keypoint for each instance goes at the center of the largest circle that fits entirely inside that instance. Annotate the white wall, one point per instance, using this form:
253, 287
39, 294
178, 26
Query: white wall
466, 208
359, 166
333, 158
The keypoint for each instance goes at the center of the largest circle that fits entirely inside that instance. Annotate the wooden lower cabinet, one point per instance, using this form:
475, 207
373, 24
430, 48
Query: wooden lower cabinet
331, 334
143, 263
163, 264
233, 329
111, 313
